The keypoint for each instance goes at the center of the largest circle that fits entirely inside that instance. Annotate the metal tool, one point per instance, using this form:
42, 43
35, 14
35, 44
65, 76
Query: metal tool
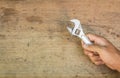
78, 31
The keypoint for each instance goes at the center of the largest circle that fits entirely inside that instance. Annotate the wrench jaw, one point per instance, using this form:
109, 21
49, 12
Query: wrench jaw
73, 30
76, 23
70, 29
78, 31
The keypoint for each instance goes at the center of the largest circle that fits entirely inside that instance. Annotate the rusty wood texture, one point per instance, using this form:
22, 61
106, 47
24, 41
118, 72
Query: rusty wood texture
35, 43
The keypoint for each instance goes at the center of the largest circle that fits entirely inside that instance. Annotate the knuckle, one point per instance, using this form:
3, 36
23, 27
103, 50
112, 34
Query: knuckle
85, 53
97, 63
88, 34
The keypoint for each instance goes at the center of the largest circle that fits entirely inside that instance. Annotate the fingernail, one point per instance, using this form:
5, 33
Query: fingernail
85, 45
90, 54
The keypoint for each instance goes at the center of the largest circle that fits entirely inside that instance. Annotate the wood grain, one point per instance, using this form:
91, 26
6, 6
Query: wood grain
34, 41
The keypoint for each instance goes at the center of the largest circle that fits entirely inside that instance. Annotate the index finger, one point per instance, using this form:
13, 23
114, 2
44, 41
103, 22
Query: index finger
96, 39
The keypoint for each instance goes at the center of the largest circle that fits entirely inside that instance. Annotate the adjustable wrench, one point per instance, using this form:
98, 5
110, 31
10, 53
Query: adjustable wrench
78, 31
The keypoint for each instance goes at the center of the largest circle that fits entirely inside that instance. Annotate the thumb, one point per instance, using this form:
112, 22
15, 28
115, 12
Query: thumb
94, 48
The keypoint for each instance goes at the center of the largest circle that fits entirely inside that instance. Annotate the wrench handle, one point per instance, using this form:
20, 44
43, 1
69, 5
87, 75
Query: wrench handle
86, 40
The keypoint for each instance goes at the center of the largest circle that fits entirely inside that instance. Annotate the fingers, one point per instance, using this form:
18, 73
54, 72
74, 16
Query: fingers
93, 48
97, 39
94, 37
95, 59
88, 53
82, 43
97, 49
88, 48
99, 62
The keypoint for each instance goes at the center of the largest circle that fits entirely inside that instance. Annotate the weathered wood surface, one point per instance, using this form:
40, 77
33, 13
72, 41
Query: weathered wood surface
34, 41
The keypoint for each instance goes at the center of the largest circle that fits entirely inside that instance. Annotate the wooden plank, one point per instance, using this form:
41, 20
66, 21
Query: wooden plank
34, 41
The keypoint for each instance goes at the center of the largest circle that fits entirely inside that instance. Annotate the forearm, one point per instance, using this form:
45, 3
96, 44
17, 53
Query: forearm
118, 66
118, 61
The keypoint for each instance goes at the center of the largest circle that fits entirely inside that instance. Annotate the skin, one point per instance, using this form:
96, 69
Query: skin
102, 52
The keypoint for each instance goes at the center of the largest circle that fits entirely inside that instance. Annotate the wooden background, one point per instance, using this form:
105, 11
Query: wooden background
35, 43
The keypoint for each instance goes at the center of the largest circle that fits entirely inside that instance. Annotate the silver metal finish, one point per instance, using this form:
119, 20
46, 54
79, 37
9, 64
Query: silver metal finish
78, 31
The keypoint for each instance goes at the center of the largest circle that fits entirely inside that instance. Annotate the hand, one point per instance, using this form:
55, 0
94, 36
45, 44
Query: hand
102, 52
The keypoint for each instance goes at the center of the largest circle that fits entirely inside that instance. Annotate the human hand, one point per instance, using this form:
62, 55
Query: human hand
102, 52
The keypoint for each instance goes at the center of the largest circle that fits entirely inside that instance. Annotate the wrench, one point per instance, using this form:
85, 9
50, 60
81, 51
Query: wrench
78, 31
